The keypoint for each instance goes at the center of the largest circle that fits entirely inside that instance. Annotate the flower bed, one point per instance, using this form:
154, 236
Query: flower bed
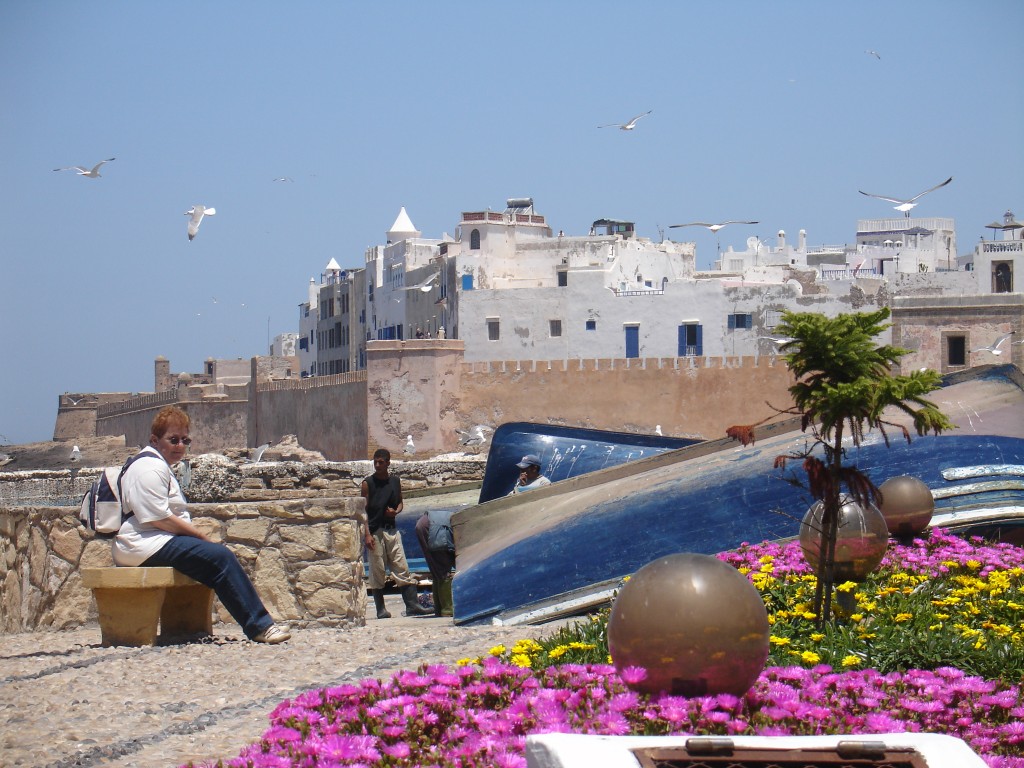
889, 669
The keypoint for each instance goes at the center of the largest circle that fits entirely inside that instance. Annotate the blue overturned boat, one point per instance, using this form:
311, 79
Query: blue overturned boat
566, 452
567, 546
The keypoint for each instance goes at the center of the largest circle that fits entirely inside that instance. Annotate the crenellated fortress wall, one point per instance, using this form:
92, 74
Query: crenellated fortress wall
425, 388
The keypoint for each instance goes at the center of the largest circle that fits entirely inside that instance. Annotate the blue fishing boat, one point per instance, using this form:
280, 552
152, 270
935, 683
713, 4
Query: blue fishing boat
565, 452
568, 545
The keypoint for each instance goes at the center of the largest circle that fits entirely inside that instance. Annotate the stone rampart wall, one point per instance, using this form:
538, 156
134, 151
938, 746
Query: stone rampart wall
686, 396
218, 421
326, 413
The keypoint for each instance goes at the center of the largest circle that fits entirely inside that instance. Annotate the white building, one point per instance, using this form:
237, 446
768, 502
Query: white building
283, 345
512, 290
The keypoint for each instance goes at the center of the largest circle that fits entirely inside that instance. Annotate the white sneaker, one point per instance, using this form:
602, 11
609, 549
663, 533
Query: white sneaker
273, 634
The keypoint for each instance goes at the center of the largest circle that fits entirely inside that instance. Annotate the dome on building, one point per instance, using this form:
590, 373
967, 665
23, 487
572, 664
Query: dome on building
403, 228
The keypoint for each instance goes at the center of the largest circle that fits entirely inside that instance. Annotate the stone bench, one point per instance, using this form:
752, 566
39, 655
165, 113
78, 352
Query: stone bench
134, 602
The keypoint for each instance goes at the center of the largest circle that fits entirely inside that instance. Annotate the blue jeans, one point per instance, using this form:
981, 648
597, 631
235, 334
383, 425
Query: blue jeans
217, 567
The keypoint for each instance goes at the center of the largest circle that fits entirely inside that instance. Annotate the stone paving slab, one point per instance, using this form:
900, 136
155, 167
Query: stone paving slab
67, 701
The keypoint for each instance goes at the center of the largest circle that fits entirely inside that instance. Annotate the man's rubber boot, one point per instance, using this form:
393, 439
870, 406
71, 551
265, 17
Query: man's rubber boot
435, 595
378, 601
443, 595
412, 605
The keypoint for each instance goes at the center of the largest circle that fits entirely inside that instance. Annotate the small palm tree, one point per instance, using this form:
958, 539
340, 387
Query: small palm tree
844, 384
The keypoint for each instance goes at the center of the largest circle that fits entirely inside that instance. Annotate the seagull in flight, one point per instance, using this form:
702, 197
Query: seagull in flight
713, 227
994, 347
425, 286
197, 212
873, 53
906, 205
283, 178
627, 126
93, 173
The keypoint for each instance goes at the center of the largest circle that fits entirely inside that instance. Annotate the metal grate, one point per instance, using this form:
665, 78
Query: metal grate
721, 753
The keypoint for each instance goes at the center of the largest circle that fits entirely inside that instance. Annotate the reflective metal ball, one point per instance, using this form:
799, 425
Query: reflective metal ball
907, 505
696, 624
861, 539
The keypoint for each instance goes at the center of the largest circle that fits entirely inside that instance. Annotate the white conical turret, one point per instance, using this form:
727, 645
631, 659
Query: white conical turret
402, 229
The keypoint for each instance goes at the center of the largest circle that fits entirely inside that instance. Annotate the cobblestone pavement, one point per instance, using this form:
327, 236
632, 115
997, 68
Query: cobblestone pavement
65, 700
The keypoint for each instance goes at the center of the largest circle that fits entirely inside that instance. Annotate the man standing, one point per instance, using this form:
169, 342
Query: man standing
529, 475
434, 533
383, 494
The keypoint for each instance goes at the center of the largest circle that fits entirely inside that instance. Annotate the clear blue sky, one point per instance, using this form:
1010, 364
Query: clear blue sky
763, 110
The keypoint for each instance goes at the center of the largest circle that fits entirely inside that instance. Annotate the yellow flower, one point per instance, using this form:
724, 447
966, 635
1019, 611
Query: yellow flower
899, 618
856, 617
466, 662
778, 640
810, 657
809, 615
973, 565
847, 586
520, 660
497, 650
559, 652
850, 661
817, 637
526, 646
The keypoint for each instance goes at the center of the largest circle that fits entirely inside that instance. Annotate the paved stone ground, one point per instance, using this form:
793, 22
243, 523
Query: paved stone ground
67, 701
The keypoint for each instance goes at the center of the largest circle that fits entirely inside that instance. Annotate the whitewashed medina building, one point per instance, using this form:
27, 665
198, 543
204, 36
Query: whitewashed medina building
512, 289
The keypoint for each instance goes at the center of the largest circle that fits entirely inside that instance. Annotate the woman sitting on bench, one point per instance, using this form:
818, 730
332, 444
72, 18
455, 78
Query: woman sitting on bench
159, 530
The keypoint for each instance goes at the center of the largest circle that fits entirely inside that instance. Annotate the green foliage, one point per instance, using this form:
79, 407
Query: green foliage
845, 378
844, 386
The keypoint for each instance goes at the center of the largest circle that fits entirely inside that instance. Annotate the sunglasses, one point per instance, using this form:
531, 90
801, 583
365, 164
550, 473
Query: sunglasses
176, 440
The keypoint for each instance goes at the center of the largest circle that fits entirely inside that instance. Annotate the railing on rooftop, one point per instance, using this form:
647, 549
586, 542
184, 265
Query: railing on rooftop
847, 274
501, 218
1003, 246
647, 292
826, 249
311, 382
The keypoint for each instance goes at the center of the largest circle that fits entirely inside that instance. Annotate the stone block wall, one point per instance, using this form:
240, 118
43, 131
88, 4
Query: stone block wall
293, 525
304, 557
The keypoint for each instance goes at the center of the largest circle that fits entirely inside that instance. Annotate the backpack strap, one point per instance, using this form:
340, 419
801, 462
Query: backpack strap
140, 455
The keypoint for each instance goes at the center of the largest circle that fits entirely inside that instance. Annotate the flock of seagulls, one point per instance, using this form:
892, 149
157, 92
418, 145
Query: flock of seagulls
195, 213
906, 205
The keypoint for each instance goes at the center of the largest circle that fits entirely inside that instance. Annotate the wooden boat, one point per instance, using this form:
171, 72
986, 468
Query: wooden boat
565, 547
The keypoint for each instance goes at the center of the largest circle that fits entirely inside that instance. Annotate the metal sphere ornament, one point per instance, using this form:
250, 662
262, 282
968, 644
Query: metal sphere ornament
907, 505
861, 539
694, 623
